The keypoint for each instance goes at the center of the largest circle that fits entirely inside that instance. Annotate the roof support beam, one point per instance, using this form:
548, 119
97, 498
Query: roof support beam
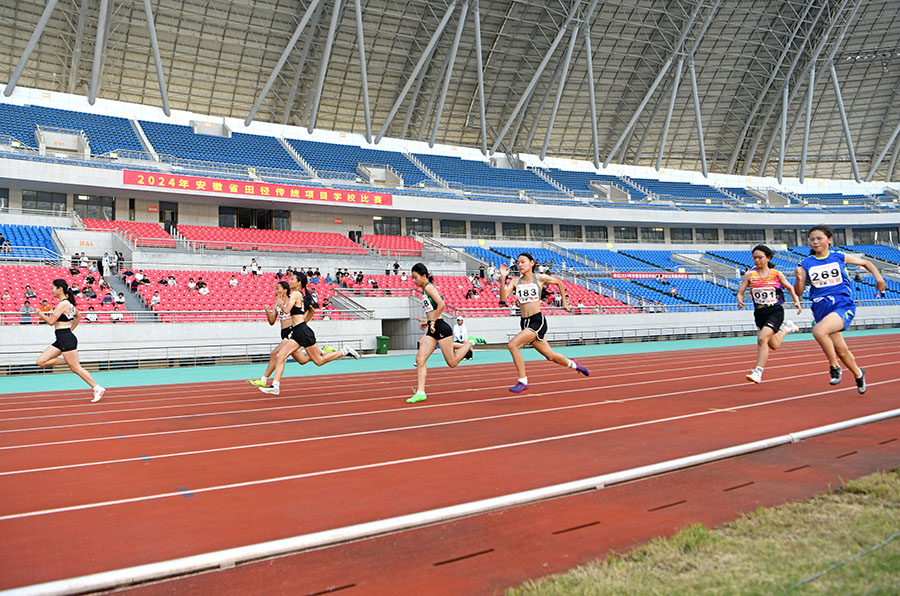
304, 53
323, 66
784, 110
831, 53
762, 94
429, 107
29, 48
881, 155
76, 52
665, 130
476, 13
656, 81
697, 114
588, 54
154, 45
559, 89
540, 111
809, 101
362, 69
412, 104
284, 56
537, 75
464, 11
847, 136
415, 73
99, 47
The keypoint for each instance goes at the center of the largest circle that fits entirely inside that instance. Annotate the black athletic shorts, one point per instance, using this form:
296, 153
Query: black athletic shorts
536, 322
442, 329
769, 316
286, 332
65, 340
303, 335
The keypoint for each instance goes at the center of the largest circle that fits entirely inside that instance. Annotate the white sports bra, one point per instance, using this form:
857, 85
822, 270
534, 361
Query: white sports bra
529, 292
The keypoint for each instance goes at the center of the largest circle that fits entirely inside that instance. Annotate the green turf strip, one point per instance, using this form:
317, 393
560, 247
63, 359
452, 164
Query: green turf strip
204, 374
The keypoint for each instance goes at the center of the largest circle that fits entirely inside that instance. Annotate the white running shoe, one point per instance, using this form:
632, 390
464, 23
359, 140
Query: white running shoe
755, 376
270, 390
348, 351
790, 327
98, 393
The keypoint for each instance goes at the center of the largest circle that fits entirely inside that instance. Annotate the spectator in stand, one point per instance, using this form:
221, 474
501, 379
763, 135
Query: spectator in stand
396, 267
91, 316
126, 273
403, 276
120, 299
202, 289
93, 267
84, 261
5, 246
104, 285
155, 300
328, 278
673, 291
89, 280
254, 267
233, 282
107, 299
317, 273
279, 275
172, 282
359, 278
116, 315
75, 290
105, 262
89, 292
134, 284
200, 283
139, 276
191, 284
44, 307
27, 310
29, 293
163, 281
73, 265
244, 271
120, 260
469, 294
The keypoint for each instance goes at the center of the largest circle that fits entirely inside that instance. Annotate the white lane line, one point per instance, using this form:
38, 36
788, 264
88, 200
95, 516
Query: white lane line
437, 456
387, 430
553, 378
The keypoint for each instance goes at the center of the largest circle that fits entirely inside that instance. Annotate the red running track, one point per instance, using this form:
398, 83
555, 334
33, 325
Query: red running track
173, 471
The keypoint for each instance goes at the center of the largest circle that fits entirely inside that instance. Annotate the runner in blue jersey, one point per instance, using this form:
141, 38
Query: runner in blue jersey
832, 300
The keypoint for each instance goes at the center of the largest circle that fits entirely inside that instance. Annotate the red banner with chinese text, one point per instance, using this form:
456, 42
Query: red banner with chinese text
647, 275
254, 189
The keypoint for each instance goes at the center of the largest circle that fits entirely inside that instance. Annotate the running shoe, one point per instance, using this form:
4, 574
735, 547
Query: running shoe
417, 397
328, 349
835, 372
581, 369
99, 391
348, 351
257, 382
477, 340
861, 382
469, 355
790, 327
270, 390
518, 387
755, 376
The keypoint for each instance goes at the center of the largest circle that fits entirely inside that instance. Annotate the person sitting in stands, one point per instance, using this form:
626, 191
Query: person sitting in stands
134, 284
104, 285
673, 291
328, 278
91, 316
29, 293
116, 315
172, 283
203, 290
233, 282
89, 292
120, 299
200, 283
107, 299
279, 275
6, 246
191, 284
155, 300
163, 281
45, 307
26, 311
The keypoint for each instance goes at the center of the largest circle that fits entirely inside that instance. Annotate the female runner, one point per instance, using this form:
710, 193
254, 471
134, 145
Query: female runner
437, 331
832, 300
767, 292
527, 288
302, 307
280, 313
64, 318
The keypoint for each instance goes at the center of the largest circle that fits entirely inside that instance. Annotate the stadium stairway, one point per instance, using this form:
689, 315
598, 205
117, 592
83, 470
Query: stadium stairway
132, 302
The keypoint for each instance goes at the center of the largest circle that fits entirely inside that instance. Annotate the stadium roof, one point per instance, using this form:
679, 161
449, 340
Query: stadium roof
659, 68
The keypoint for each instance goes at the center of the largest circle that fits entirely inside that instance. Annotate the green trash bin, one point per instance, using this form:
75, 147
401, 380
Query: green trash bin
382, 344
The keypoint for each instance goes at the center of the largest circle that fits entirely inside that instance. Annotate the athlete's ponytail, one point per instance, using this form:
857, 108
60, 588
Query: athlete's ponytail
62, 285
422, 270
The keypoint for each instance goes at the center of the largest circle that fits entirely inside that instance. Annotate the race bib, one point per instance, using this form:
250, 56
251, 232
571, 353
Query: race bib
764, 296
528, 293
825, 275
426, 304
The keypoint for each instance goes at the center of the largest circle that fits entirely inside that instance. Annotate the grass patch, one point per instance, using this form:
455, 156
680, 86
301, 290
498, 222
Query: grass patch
769, 551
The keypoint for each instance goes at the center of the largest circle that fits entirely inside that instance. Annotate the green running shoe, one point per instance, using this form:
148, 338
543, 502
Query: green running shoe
257, 382
417, 397
328, 349
477, 340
